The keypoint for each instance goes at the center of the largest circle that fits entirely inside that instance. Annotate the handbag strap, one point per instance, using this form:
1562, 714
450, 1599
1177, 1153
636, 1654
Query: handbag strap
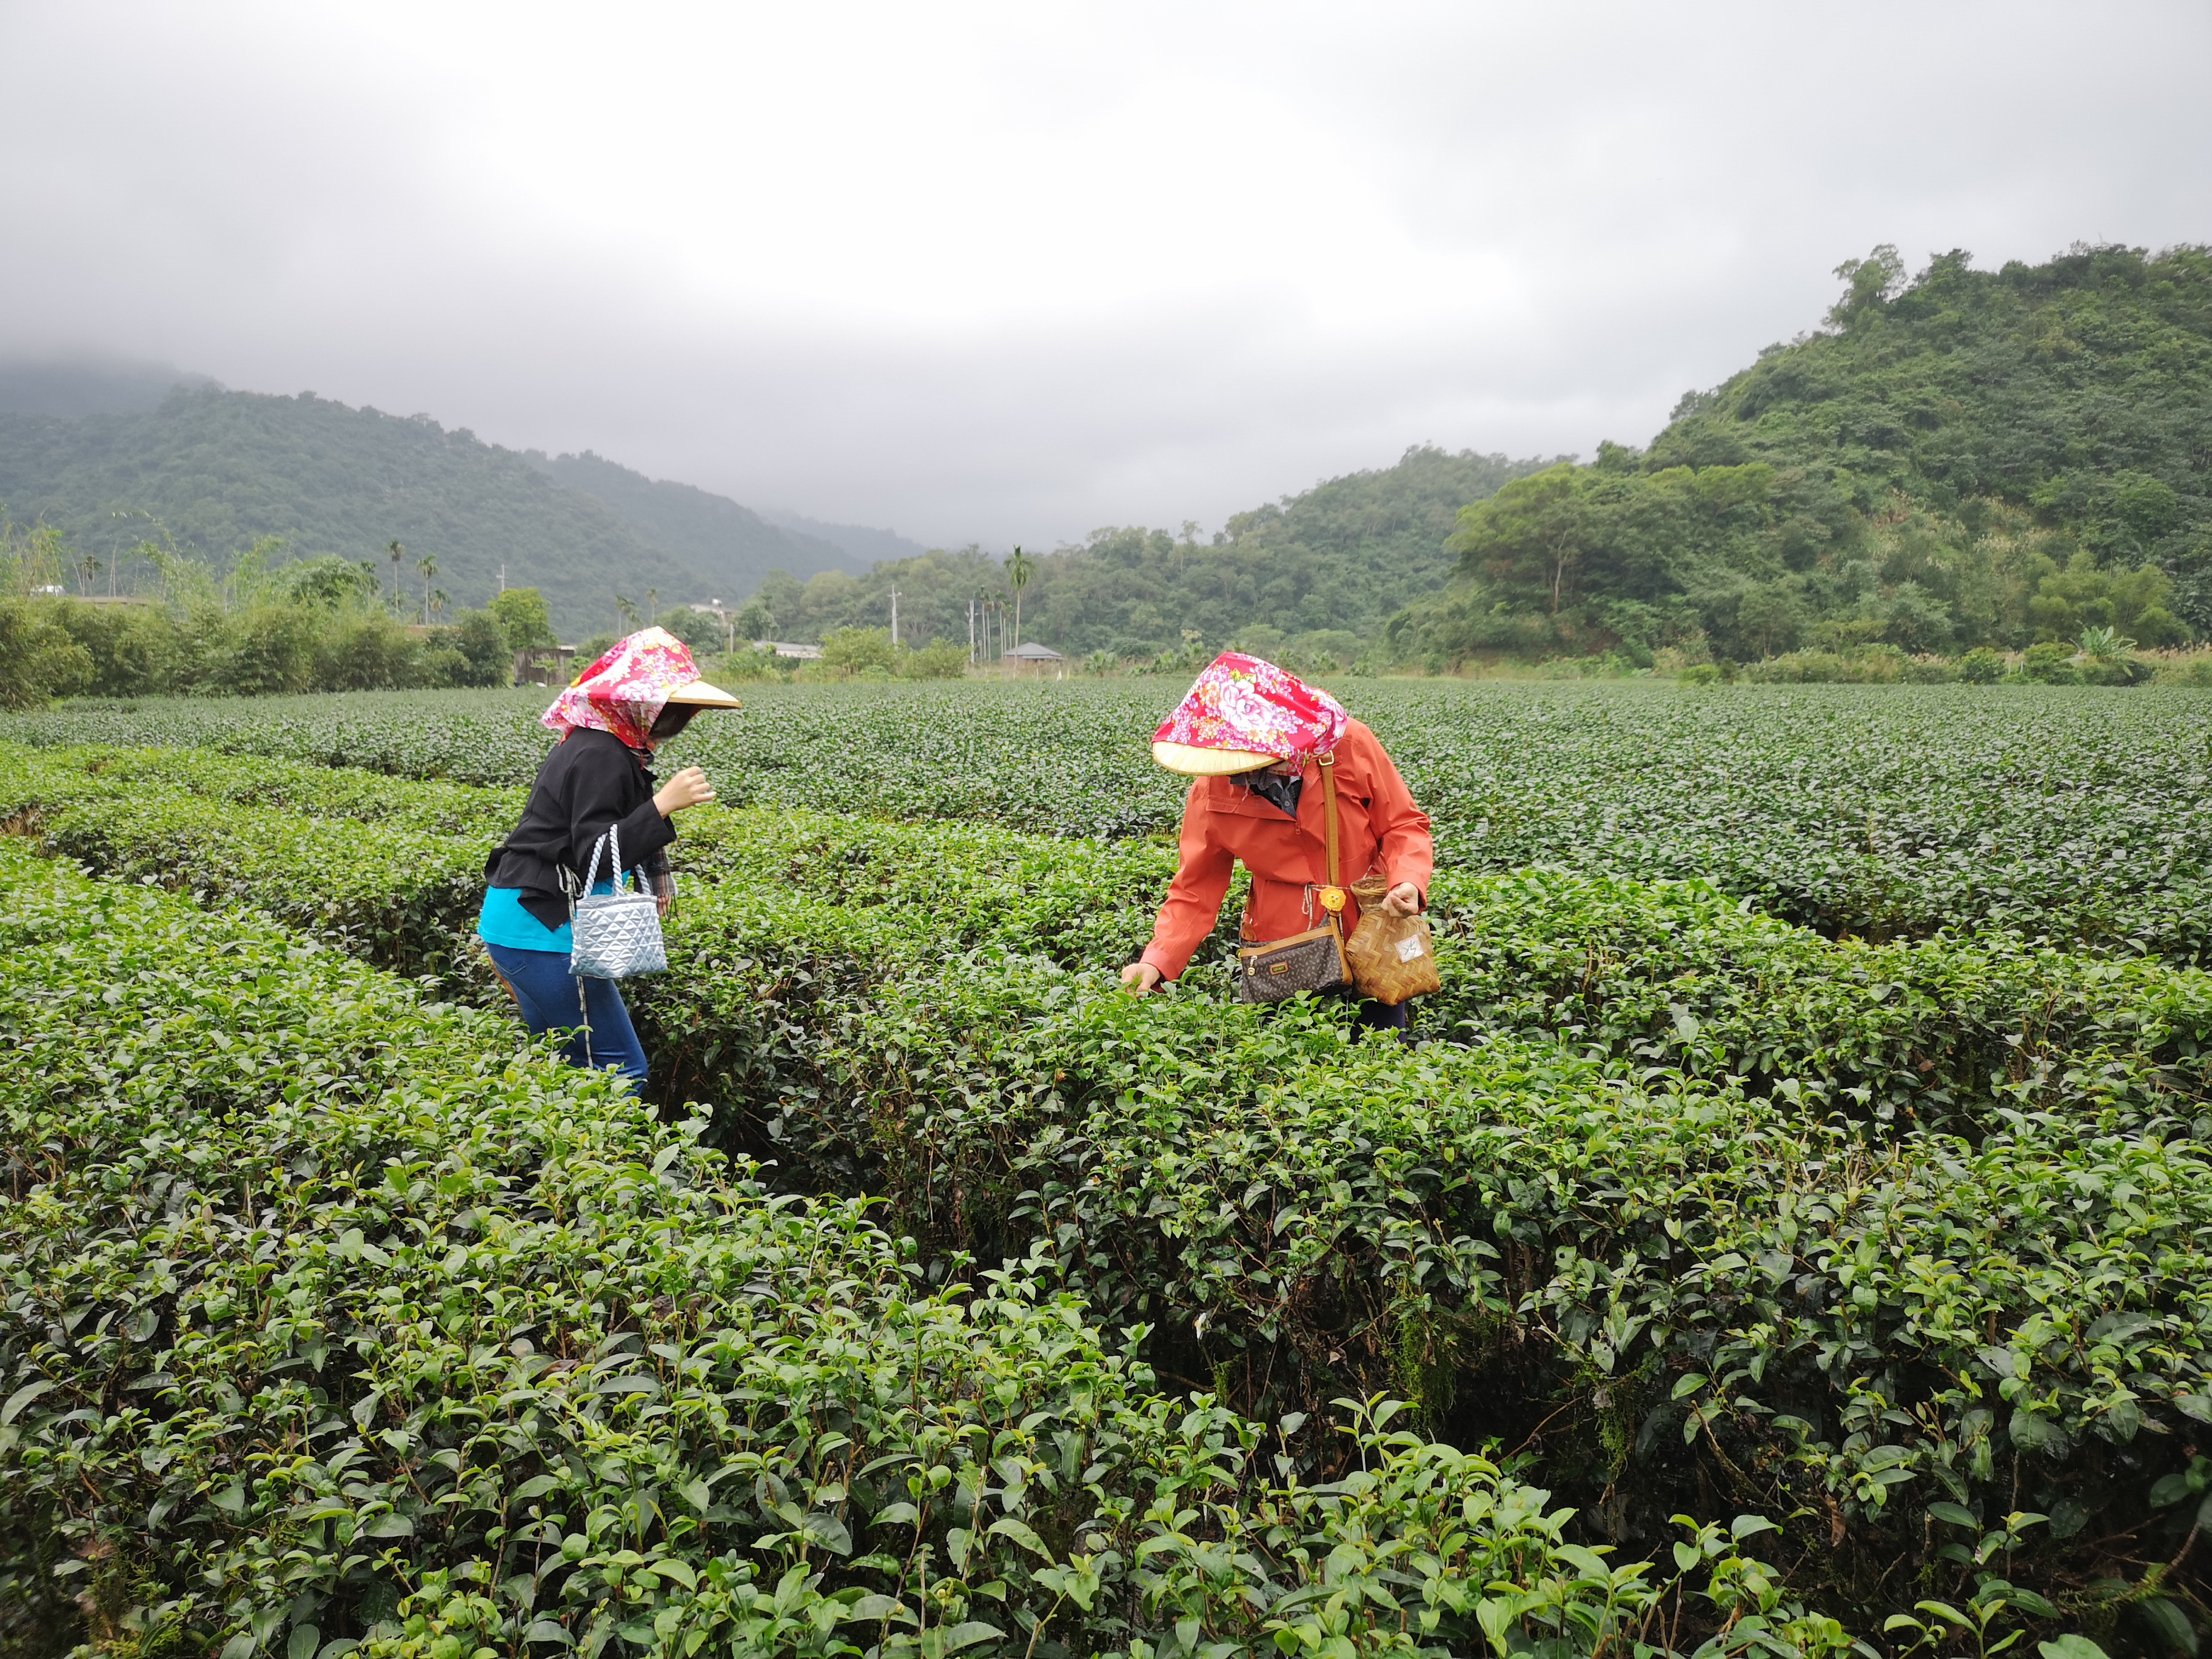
612, 840
1328, 814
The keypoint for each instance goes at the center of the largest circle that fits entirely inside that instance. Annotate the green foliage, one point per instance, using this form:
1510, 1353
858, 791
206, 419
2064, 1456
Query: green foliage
523, 617
39, 660
1877, 812
701, 630
1341, 558
757, 621
1764, 1185
332, 581
223, 469
333, 1319
709, 534
272, 647
743, 666
482, 643
2051, 664
1964, 458
850, 650
2082, 596
938, 660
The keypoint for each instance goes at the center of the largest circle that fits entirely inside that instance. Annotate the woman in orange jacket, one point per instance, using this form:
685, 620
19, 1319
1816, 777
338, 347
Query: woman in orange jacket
1250, 734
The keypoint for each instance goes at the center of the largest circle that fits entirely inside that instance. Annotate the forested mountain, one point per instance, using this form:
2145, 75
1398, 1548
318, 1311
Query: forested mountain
707, 532
72, 387
1967, 456
218, 469
861, 544
1321, 572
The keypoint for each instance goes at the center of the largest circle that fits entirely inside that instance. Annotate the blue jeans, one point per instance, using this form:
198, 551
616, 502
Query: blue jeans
548, 994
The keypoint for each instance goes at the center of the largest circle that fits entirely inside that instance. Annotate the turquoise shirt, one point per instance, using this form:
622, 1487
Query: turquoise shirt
504, 921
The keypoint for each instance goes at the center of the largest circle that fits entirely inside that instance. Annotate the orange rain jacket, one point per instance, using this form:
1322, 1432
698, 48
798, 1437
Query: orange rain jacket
1223, 822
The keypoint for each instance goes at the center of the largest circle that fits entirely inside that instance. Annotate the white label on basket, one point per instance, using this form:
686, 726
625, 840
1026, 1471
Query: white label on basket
1409, 947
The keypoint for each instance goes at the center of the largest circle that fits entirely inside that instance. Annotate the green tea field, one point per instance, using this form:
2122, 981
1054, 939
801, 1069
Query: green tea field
1790, 1233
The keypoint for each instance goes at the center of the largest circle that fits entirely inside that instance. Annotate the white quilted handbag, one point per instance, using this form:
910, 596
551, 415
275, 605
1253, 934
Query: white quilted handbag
614, 935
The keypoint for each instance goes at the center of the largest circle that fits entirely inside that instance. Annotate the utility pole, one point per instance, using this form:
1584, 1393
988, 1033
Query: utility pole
894, 598
971, 630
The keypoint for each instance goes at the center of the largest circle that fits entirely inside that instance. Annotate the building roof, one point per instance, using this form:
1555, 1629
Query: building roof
1033, 652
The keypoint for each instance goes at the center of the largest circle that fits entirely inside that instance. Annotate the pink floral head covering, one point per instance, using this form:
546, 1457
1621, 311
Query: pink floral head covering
624, 691
1245, 710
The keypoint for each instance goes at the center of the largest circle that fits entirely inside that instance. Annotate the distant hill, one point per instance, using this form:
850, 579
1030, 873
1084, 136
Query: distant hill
74, 387
219, 469
862, 545
1963, 458
1320, 572
711, 533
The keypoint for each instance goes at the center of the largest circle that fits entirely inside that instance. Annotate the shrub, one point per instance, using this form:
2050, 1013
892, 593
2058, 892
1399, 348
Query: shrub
849, 650
522, 616
2050, 664
487, 659
405, 1341
701, 630
745, 667
1981, 666
938, 660
362, 650
39, 660
132, 647
1587, 1196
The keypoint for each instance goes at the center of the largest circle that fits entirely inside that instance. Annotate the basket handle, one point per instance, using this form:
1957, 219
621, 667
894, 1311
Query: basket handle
612, 839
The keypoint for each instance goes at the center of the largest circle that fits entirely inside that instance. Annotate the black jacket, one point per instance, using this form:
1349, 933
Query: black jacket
590, 781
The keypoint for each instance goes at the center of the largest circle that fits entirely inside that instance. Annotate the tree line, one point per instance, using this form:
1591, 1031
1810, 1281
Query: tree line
321, 625
1967, 459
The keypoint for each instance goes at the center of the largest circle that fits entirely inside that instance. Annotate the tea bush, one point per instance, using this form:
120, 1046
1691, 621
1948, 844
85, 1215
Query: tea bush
2081, 815
329, 1321
1535, 1233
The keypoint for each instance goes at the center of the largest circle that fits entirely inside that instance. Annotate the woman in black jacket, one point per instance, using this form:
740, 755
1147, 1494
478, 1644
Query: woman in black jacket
641, 694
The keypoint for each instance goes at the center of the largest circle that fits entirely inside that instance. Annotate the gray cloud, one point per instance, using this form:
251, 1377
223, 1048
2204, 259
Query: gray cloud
1016, 272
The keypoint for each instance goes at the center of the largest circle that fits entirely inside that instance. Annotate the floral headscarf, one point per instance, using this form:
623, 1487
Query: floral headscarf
624, 691
1242, 703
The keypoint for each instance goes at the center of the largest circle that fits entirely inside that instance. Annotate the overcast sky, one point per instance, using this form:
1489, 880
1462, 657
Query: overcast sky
1011, 272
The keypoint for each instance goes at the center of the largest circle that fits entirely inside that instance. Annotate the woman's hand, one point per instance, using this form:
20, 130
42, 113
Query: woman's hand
688, 787
1403, 900
1139, 977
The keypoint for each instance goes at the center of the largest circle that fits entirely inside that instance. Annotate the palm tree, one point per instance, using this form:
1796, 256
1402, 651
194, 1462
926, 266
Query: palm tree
652, 604
398, 550
1019, 569
438, 601
428, 564
626, 612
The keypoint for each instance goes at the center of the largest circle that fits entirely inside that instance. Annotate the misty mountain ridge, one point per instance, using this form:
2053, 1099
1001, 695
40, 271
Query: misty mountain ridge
710, 531
217, 470
108, 452
867, 546
69, 388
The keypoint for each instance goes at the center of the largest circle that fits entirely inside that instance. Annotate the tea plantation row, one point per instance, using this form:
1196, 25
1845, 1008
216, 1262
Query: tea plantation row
1692, 1288
332, 1322
1874, 811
